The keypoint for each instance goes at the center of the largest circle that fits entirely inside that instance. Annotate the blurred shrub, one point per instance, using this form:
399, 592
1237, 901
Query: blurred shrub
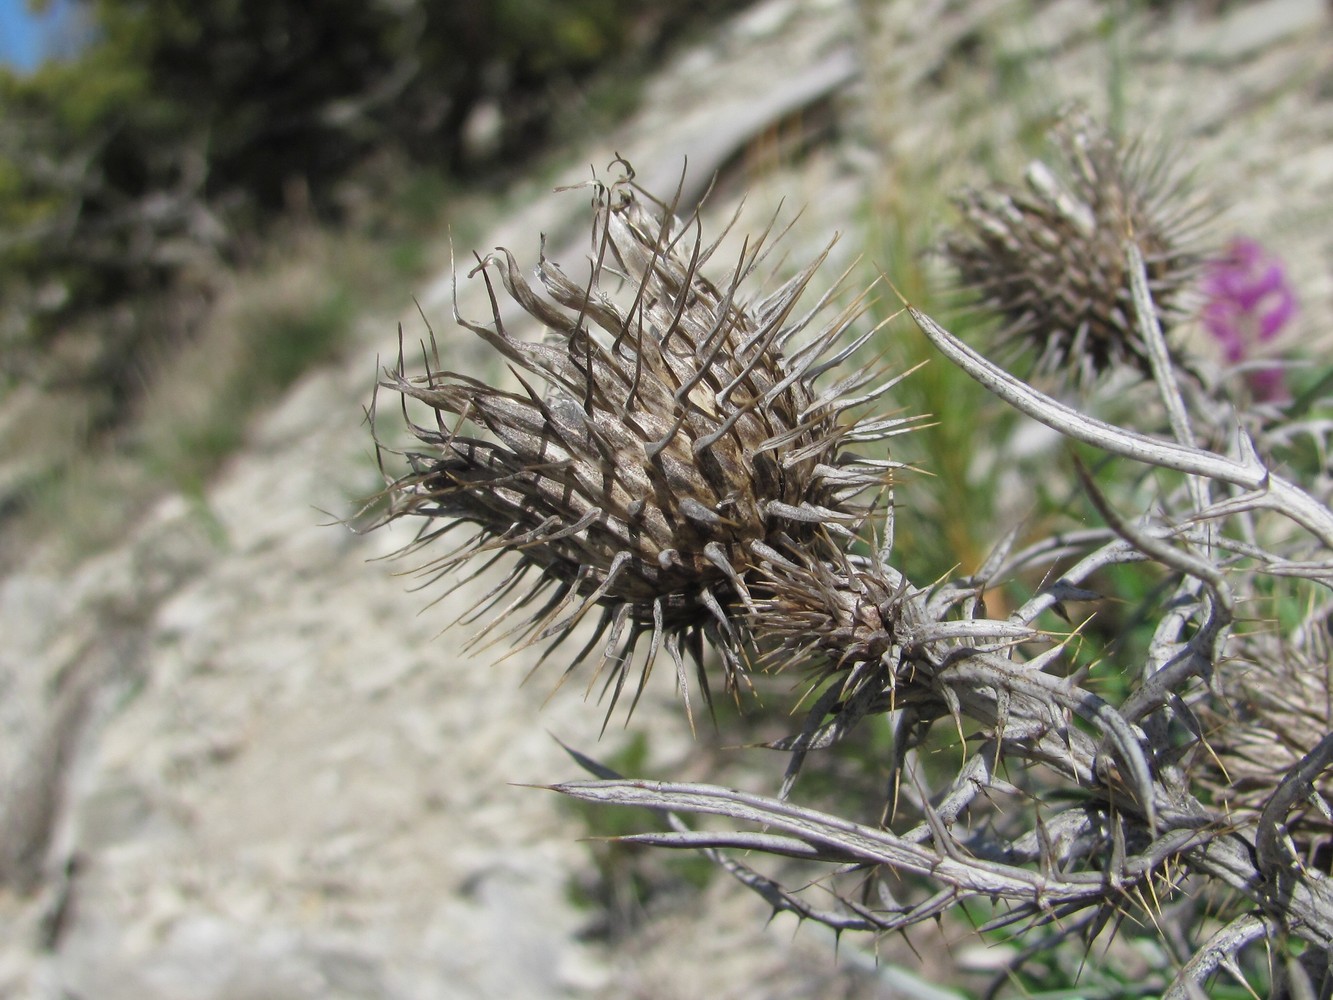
156, 155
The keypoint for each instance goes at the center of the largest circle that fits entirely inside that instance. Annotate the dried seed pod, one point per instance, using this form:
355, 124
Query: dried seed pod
662, 427
1049, 259
1278, 703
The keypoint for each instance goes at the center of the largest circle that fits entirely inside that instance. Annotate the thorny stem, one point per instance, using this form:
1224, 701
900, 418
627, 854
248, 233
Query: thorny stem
1269, 490
1220, 951
684, 477
1026, 712
1140, 817
1164, 375
1296, 786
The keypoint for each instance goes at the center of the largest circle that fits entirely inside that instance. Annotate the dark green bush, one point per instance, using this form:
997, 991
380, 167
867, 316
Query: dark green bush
162, 150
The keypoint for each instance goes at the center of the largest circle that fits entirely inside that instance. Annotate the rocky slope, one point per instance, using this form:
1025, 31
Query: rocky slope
238, 763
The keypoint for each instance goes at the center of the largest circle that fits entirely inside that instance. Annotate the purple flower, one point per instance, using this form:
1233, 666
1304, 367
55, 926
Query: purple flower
1249, 301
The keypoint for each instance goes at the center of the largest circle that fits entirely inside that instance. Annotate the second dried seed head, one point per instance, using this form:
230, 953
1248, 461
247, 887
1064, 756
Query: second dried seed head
1049, 258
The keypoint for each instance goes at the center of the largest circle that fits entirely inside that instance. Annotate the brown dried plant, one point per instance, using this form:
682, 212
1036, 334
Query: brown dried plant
664, 434
1276, 704
678, 456
1047, 258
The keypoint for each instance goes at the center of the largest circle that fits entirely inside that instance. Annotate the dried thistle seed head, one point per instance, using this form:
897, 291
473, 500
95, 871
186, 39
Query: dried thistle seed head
663, 427
1277, 705
1049, 258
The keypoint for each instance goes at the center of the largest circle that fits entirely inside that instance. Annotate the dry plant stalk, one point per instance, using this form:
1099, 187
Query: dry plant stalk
685, 460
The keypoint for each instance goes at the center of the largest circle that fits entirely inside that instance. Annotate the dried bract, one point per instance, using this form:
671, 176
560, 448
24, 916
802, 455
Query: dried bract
662, 428
833, 618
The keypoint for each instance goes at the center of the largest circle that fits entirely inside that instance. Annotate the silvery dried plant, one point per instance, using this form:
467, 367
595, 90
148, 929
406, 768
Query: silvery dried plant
686, 459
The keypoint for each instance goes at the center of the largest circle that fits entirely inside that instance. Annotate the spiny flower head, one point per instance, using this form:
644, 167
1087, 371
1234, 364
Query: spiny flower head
663, 429
835, 616
1277, 705
1049, 259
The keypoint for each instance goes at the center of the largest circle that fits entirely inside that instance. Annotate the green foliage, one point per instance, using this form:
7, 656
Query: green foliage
205, 402
559, 37
140, 174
